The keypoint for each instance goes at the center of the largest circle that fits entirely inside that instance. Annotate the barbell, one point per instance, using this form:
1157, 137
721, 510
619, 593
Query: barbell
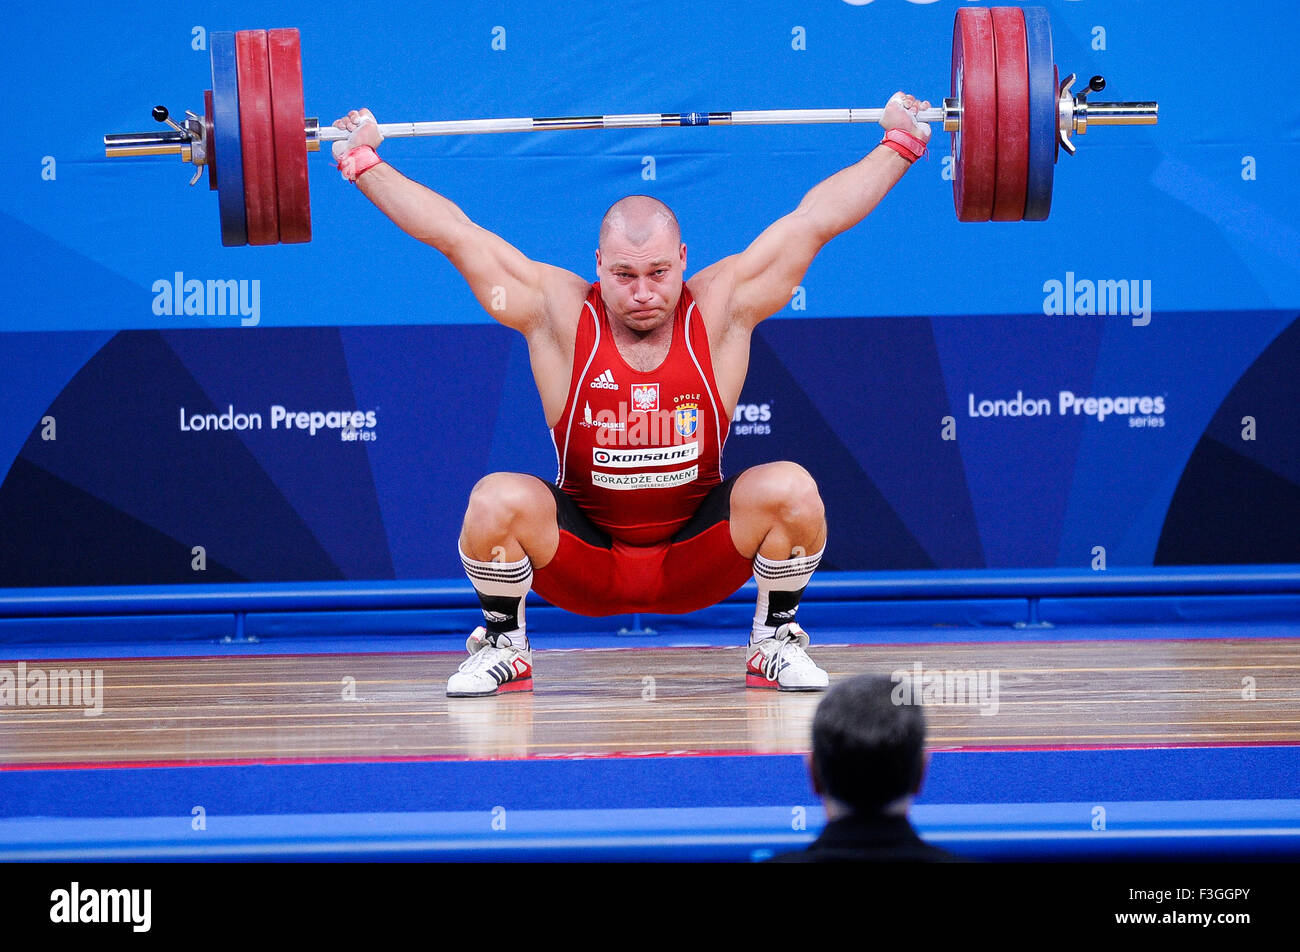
1009, 114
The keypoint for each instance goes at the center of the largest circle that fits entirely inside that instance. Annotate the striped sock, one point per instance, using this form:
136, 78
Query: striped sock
780, 585
501, 588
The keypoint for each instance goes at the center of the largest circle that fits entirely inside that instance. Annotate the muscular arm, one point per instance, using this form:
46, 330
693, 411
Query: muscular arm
510, 286
746, 288
538, 300
515, 290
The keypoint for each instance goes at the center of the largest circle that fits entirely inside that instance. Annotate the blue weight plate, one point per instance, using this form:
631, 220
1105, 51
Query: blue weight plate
1042, 114
226, 140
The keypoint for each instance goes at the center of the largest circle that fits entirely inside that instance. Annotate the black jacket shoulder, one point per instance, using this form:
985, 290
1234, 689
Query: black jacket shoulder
869, 839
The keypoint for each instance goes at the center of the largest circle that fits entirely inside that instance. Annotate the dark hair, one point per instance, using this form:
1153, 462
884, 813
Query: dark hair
867, 750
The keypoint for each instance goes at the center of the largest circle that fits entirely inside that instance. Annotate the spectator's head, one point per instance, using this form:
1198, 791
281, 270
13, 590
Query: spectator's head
867, 751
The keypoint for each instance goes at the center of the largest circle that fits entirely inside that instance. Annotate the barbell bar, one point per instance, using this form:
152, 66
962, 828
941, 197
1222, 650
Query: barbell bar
1009, 115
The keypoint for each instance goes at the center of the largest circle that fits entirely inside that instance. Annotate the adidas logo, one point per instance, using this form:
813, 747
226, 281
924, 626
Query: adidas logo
758, 659
502, 672
605, 382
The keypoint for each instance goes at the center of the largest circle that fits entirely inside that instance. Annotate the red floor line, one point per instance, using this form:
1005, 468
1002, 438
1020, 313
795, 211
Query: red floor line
233, 655
1054, 748
292, 761
541, 648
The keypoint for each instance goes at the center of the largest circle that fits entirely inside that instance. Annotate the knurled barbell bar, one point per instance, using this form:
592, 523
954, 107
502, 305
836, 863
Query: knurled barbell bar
1009, 115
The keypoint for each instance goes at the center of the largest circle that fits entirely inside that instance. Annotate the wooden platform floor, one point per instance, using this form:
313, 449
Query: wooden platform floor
601, 702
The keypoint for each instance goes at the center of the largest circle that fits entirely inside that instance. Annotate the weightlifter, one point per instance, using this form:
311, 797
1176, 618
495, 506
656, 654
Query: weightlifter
638, 375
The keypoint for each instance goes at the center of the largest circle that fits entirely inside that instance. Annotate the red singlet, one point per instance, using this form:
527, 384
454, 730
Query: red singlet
639, 450
643, 513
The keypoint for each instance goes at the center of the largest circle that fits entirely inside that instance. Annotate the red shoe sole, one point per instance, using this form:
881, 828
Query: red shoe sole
762, 683
523, 684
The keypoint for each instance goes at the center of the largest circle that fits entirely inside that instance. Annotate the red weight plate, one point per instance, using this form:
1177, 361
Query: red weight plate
1011, 50
290, 136
258, 140
975, 144
209, 140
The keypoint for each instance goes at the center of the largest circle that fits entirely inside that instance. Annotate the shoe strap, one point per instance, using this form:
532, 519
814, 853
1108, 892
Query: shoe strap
481, 638
477, 640
791, 631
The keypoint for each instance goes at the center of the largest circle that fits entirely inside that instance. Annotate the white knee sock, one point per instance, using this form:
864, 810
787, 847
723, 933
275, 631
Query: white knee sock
501, 588
780, 584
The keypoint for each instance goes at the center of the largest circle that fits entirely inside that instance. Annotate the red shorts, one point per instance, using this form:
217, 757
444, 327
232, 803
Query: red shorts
594, 574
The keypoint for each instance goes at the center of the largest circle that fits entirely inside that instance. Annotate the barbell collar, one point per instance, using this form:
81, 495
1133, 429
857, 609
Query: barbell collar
312, 130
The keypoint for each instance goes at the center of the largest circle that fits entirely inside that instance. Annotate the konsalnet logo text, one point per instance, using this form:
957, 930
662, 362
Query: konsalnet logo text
351, 425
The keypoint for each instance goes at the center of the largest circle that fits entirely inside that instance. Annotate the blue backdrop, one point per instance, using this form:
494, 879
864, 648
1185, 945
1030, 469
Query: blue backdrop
966, 395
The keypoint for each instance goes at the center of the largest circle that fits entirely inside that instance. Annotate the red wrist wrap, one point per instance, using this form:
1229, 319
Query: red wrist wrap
357, 161
905, 144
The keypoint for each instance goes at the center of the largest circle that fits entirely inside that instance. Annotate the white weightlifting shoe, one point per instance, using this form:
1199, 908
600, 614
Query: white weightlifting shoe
494, 666
780, 663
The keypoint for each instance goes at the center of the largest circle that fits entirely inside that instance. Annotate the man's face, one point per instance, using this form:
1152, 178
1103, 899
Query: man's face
641, 284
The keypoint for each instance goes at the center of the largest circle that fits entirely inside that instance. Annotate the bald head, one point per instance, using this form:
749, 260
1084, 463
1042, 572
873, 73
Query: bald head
641, 264
638, 218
